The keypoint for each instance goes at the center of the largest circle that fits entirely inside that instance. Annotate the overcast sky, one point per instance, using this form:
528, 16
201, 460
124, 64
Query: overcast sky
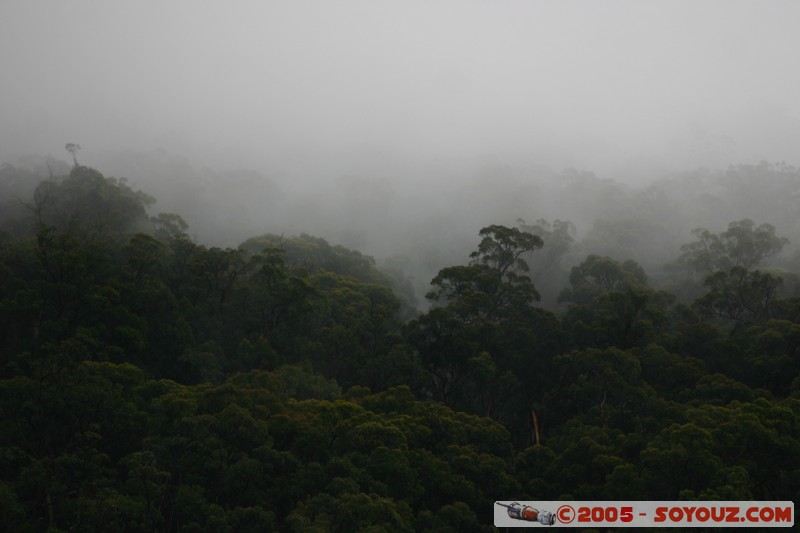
601, 85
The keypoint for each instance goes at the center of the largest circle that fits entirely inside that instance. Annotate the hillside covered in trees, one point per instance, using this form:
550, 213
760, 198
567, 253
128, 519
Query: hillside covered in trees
150, 382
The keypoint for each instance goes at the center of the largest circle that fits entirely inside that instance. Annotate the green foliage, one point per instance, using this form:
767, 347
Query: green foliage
151, 383
613, 306
739, 295
315, 255
493, 285
603, 386
557, 239
547, 268
743, 245
168, 226
477, 346
597, 275
87, 202
501, 248
670, 374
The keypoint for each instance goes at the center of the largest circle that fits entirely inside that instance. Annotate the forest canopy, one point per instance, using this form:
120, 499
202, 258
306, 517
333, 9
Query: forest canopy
151, 382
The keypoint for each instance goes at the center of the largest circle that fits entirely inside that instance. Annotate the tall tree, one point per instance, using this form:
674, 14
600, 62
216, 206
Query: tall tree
739, 294
600, 274
495, 282
743, 244
73, 149
486, 336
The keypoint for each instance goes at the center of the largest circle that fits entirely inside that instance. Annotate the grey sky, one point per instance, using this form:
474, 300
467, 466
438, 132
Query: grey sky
608, 86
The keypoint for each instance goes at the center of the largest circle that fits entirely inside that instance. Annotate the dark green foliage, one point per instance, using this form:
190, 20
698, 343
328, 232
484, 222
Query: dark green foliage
314, 255
613, 306
597, 275
151, 383
740, 295
557, 239
86, 201
487, 338
741, 245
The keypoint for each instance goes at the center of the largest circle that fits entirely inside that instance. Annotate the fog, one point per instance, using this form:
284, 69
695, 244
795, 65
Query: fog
603, 85
380, 125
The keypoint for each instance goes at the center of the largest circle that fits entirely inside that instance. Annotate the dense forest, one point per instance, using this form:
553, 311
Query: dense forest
151, 382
